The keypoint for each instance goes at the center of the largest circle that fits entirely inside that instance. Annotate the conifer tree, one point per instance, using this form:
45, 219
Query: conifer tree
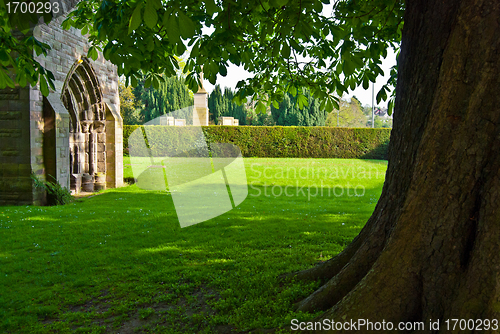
289, 113
221, 104
171, 95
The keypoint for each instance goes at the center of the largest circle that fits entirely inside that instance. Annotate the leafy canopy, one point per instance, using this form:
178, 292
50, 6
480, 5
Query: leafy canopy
17, 45
286, 44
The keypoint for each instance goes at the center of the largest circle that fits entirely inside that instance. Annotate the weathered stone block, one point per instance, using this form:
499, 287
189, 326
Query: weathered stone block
101, 137
24, 169
9, 197
10, 170
101, 157
24, 184
18, 105
10, 133
10, 153
10, 125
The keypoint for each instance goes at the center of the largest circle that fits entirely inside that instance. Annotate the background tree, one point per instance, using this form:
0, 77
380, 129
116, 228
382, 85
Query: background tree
380, 122
356, 103
129, 105
367, 110
261, 119
216, 104
238, 111
289, 112
170, 95
221, 104
349, 115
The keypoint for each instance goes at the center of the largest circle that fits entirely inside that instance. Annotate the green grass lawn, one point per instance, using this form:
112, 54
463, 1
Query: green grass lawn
119, 261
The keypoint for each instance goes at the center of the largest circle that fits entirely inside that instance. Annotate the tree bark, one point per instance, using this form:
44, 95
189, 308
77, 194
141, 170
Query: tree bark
431, 248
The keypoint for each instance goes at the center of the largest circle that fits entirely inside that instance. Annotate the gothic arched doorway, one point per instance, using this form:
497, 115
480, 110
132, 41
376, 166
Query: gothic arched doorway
82, 97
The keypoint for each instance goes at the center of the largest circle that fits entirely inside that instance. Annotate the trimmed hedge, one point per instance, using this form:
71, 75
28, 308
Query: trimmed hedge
277, 141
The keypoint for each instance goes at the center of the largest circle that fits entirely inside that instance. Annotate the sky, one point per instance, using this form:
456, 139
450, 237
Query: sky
237, 73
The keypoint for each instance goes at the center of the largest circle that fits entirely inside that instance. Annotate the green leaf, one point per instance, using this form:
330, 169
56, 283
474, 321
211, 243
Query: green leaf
329, 105
348, 67
21, 79
180, 48
381, 95
173, 29
357, 60
150, 14
150, 44
378, 69
285, 50
292, 90
390, 107
281, 3
276, 104
135, 19
211, 7
276, 49
157, 4
4, 57
374, 50
302, 101
3, 80
352, 84
93, 53
195, 50
338, 69
43, 86
133, 81
186, 26
296, 46
366, 83
51, 79
223, 70
156, 83
260, 108
66, 25
85, 30
335, 104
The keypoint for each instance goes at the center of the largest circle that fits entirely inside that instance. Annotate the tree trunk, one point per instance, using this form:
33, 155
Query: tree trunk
431, 248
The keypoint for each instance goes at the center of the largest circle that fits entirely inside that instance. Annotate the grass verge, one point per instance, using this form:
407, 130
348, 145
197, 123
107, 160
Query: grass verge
119, 262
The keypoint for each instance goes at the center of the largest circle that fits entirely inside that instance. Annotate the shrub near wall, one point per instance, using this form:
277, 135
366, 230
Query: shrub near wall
289, 141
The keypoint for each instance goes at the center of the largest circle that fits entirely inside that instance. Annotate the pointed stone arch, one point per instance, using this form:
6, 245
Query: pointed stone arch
82, 97
36, 128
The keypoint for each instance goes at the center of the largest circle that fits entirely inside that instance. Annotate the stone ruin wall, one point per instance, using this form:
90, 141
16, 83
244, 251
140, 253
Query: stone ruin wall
36, 132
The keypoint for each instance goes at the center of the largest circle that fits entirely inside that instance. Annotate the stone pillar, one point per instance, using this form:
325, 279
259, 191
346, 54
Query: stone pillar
114, 146
56, 140
200, 110
92, 153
